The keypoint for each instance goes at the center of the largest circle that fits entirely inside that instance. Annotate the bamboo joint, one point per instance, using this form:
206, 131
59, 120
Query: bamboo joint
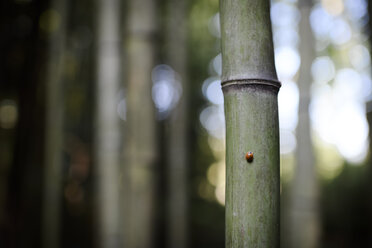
250, 81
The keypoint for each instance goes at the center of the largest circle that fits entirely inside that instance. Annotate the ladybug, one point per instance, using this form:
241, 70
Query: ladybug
249, 156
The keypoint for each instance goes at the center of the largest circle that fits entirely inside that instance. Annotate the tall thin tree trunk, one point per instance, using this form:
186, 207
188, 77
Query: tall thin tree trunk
305, 222
304, 212
369, 117
250, 88
51, 224
177, 135
141, 150
107, 143
369, 162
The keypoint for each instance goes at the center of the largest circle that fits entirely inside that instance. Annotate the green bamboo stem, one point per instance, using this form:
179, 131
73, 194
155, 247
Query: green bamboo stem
177, 129
107, 130
141, 141
250, 88
304, 207
52, 195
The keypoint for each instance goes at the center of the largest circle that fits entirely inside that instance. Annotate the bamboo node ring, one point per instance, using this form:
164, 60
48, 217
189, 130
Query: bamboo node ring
245, 81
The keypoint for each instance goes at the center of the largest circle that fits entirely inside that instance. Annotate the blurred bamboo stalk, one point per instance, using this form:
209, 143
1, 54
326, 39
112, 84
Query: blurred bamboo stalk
141, 141
304, 207
177, 123
52, 196
107, 129
369, 111
250, 88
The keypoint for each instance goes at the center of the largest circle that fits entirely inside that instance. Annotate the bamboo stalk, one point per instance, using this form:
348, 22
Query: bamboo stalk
141, 140
107, 130
177, 123
52, 195
250, 88
304, 207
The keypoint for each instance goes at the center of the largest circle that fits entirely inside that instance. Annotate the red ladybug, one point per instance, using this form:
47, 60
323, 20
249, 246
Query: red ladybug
249, 156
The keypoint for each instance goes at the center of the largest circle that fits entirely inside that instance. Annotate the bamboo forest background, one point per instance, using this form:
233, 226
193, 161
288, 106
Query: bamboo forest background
112, 124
